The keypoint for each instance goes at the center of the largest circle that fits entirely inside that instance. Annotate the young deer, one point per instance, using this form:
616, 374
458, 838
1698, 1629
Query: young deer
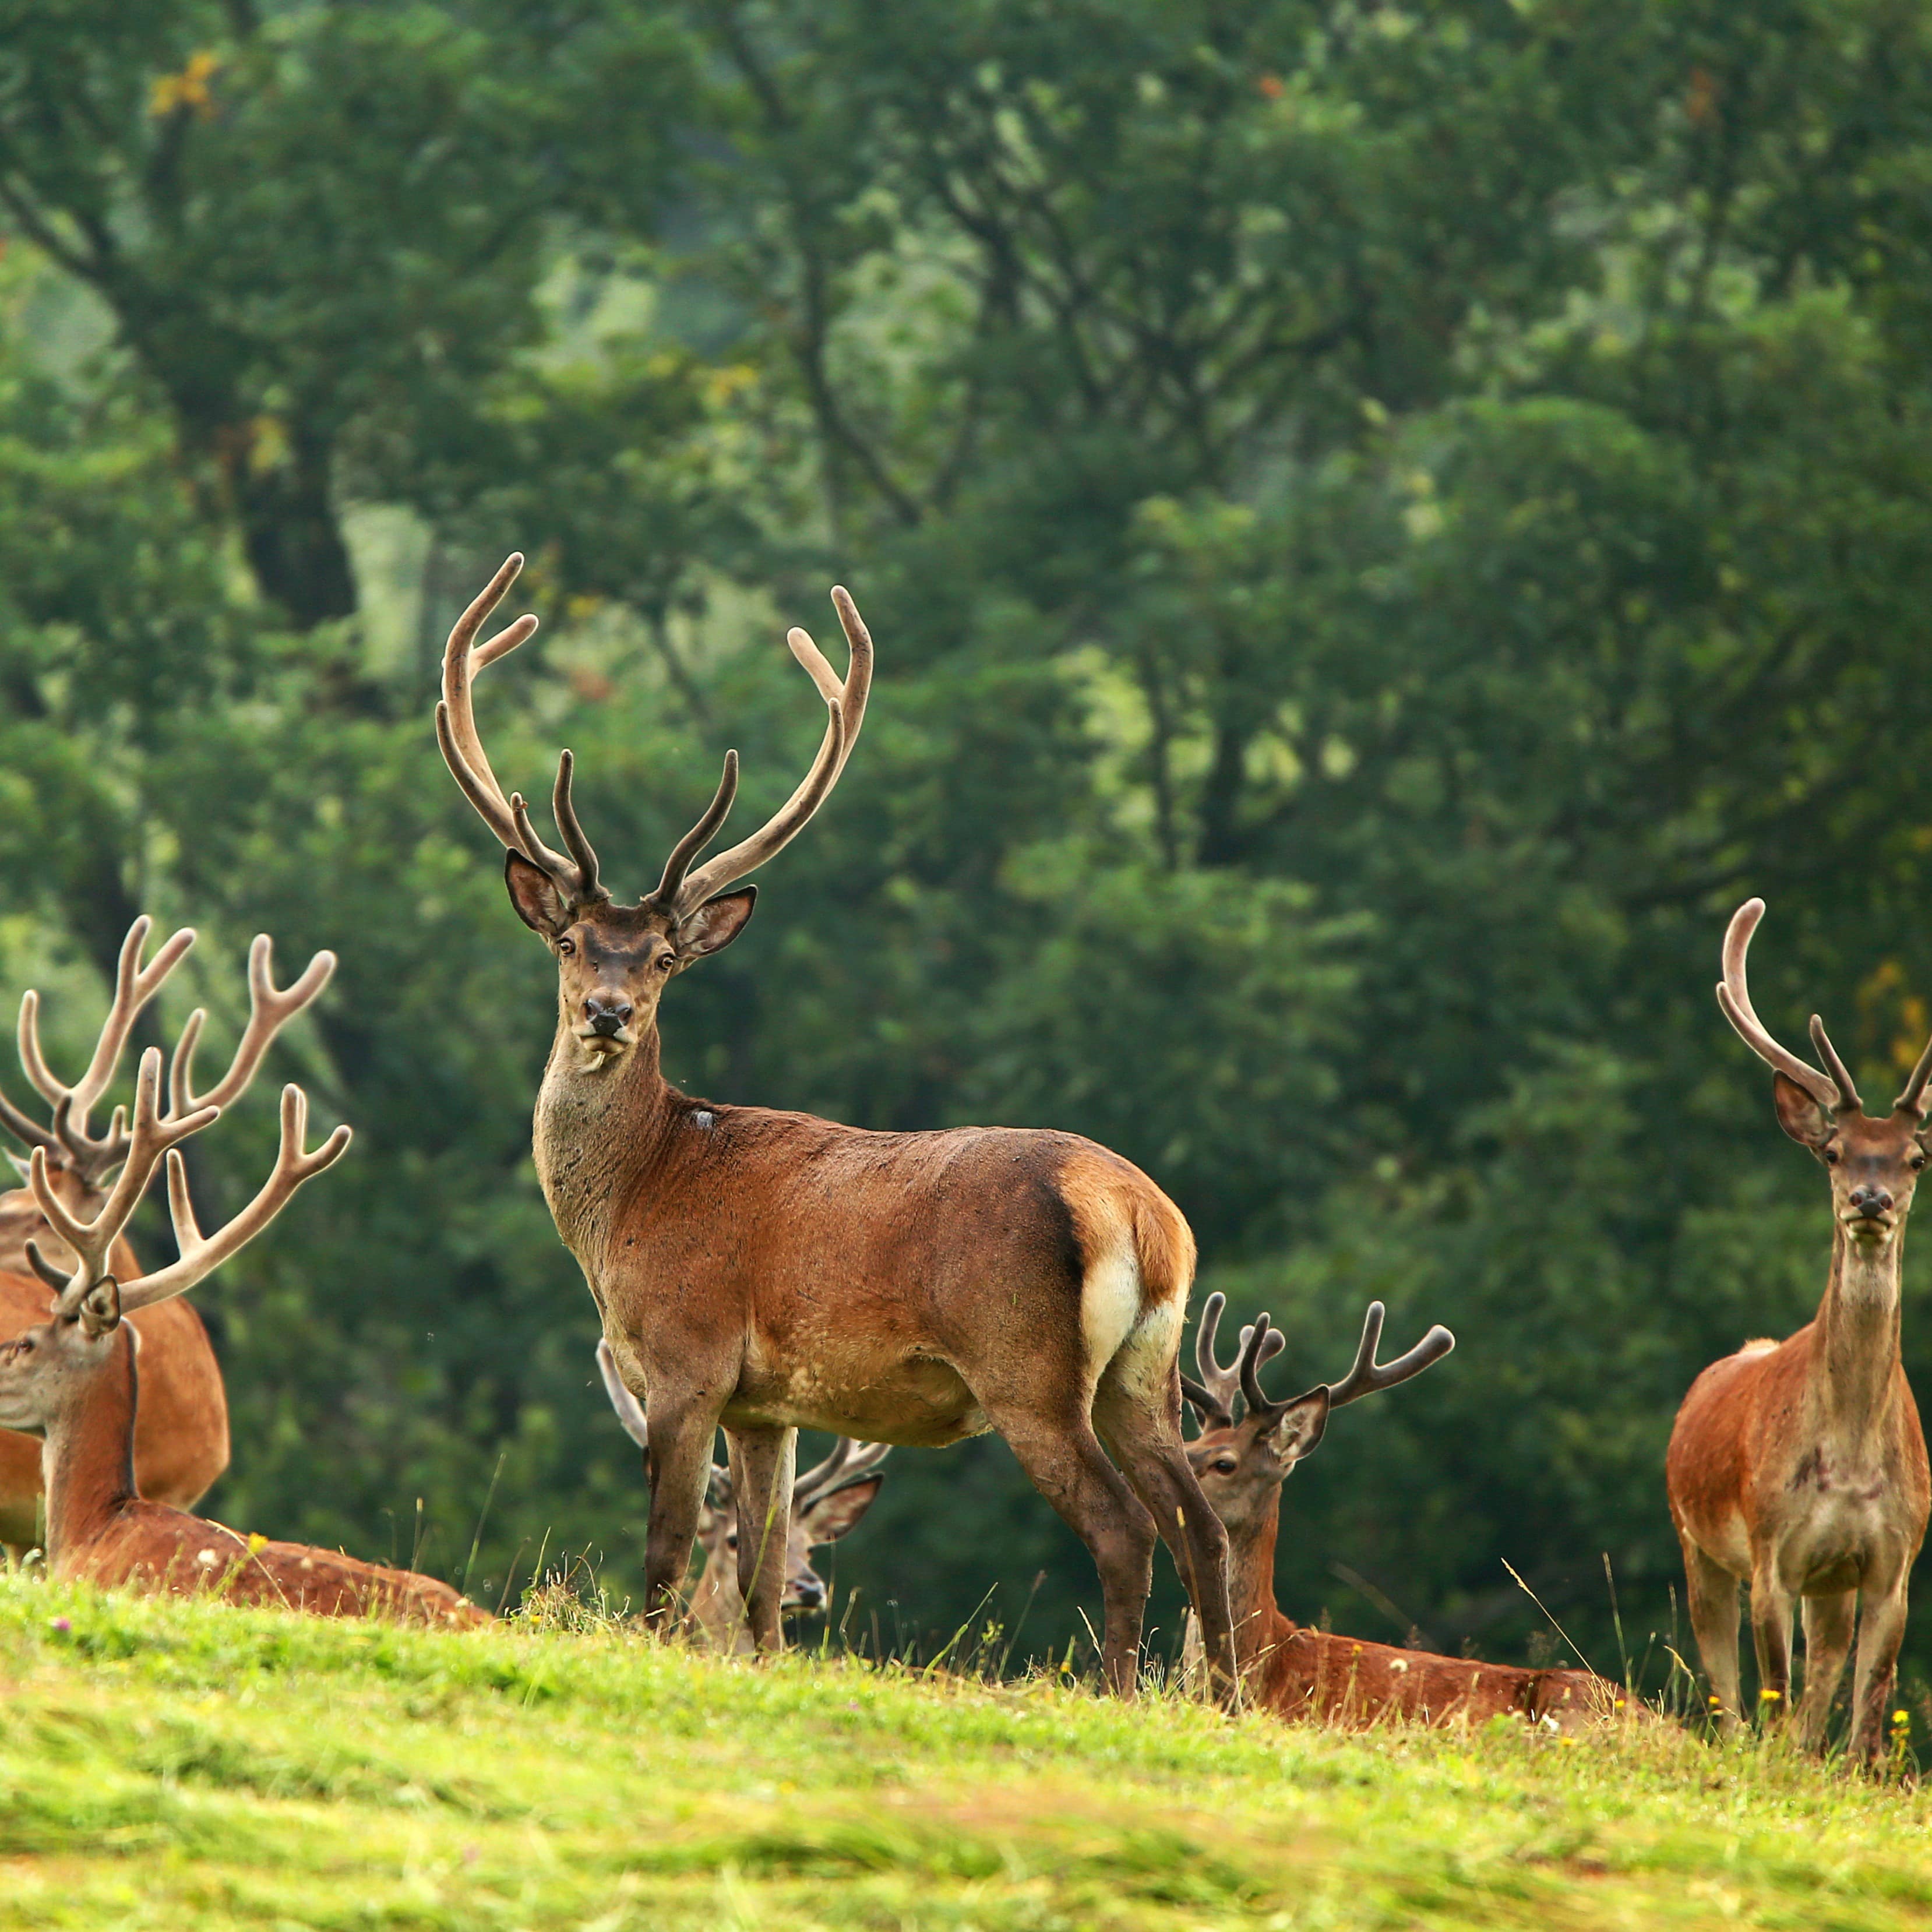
1799, 1466
181, 1444
1307, 1673
73, 1376
827, 1503
766, 1271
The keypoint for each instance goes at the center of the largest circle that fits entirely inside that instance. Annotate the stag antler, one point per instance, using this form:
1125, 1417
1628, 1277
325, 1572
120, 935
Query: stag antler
1214, 1395
1833, 1091
1368, 1376
153, 1135
68, 1143
680, 891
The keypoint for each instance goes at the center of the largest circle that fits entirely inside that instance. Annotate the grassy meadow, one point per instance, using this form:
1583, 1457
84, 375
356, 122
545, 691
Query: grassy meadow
165, 1765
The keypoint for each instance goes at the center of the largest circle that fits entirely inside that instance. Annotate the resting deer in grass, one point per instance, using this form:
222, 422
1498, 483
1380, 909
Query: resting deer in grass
766, 1272
181, 1444
75, 1377
1243, 1458
827, 1503
1799, 1467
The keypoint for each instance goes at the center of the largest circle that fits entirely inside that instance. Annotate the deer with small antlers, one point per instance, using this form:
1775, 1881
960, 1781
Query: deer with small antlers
75, 1377
1799, 1467
764, 1272
827, 1503
1249, 1446
181, 1443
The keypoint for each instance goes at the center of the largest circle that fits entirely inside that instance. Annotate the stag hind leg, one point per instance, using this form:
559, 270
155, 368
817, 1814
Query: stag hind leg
1713, 1593
763, 1461
1828, 1622
1141, 1427
1063, 1457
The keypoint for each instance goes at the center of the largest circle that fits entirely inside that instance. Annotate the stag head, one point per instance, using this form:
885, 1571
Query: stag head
614, 961
1249, 1443
1873, 1160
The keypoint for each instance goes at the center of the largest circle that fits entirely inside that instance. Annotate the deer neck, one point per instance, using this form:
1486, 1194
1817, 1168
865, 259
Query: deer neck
1853, 1370
1251, 1587
596, 1129
87, 1461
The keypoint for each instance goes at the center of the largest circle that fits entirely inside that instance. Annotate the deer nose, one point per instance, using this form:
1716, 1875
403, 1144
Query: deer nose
810, 1593
608, 1014
1871, 1202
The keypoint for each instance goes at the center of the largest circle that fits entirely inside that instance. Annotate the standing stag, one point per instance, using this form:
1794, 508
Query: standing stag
827, 1503
1799, 1466
1243, 1459
181, 1445
75, 1377
766, 1271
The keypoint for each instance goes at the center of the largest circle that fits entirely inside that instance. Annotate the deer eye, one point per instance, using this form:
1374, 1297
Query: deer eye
567, 947
1831, 1157
1917, 1161
1224, 1465
731, 1541
666, 960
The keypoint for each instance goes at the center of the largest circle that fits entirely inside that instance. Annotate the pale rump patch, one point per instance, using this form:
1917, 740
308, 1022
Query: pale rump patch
1759, 1345
1139, 1259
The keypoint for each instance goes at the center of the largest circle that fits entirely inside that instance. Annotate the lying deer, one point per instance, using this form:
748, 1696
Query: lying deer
181, 1444
766, 1272
74, 1376
1799, 1466
827, 1503
1242, 1459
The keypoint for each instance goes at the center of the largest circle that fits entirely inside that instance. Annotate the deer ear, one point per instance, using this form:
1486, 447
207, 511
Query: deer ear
100, 1310
1798, 1115
539, 904
837, 1514
1302, 1426
716, 923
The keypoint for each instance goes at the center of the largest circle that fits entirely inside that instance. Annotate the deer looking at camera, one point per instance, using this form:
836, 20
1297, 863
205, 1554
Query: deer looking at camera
181, 1444
827, 1503
1243, 1459
74, 1376
765, 1272
1799, 1466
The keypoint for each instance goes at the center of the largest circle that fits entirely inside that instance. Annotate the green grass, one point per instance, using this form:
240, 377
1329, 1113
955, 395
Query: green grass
173, 1765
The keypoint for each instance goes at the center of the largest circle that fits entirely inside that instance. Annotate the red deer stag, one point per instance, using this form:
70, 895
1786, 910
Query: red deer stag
74, 1377
181, 1445
1242, 1459
1799, 1466
827, 1503
767, 1272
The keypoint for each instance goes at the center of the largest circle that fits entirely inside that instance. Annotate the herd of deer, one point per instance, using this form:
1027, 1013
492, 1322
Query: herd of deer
763, 1272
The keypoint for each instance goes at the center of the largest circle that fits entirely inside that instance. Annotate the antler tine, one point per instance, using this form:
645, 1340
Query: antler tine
270, 1009
152, 1136
201, 1254
1848, 1092
134, 986
24, 1128
1216, 1394
563, 809
699, 835
845, 705
1912, 1095
462, 744
630, 1411
1734, 997
848, 1462
1368, 1376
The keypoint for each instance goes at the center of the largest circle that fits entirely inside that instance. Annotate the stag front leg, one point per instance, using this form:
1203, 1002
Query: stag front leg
677, 1463
1713, 1593
1829, 1623
1772, 1605
763, 1461
1063, 1458
1881, 1631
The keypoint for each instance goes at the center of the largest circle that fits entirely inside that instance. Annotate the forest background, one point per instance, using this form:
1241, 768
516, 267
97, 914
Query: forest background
1382, 524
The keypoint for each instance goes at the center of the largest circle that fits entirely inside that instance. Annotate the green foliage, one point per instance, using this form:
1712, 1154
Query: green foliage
1382, 526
